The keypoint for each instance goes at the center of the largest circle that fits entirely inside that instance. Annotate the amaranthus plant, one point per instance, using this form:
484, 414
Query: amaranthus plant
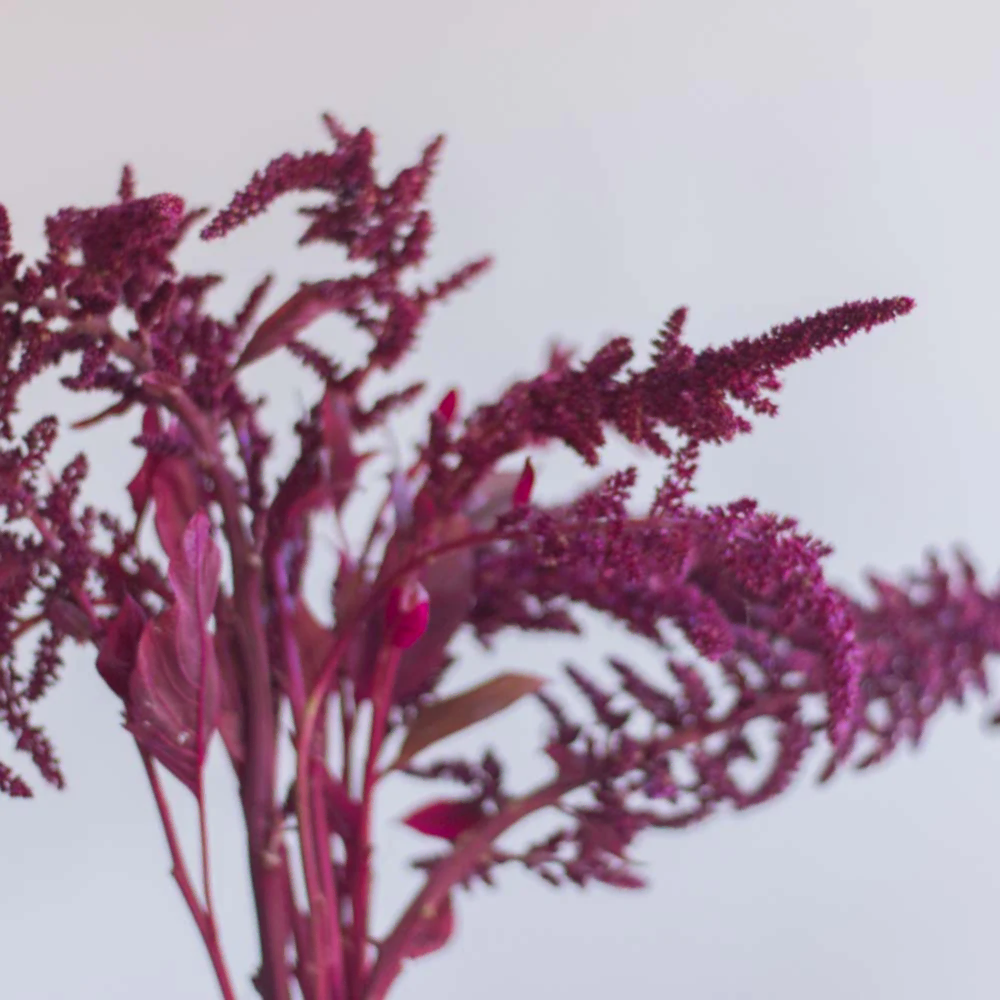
754, 657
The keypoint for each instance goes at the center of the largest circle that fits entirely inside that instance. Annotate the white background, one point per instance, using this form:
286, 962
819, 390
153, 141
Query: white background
754, 160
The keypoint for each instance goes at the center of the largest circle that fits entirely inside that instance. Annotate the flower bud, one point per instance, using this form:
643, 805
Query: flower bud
448, 406
407, 614
522, 491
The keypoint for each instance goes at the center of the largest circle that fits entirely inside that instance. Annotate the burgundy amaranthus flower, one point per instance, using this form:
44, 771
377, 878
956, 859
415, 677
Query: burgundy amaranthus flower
755, 657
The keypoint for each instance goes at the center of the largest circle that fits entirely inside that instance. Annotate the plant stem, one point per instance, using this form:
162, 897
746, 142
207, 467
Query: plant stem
203, 918
267, 873
385, 678
314, 834
451, 869
323, 908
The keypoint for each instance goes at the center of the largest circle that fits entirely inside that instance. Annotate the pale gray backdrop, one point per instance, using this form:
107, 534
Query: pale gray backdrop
755, 160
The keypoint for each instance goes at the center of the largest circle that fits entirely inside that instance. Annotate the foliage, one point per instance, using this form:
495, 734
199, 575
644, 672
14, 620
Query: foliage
757, 657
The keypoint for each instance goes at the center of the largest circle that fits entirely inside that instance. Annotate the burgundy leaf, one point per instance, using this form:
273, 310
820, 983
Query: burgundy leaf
176, 494
342, 462
194, 576
68, 617
288, 321
620, 877
231, 713
141, 485
451, 715
163, 703
448, 818
437, 924
116, 657
122, 405
175, 690
343, 814
313, 640
494, 495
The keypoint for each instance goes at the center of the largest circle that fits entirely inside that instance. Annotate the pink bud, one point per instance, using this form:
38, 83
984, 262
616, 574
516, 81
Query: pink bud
407, 614
448, 406
522, 491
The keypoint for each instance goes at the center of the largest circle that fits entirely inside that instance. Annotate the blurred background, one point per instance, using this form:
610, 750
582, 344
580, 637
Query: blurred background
754, 161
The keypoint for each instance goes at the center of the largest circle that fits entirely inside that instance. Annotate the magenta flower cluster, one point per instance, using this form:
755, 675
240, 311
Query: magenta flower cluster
754, 658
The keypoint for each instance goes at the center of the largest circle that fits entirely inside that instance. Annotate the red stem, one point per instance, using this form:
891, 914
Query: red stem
319, 904
385, 679
301, 937
203, 917
206, 868
314, 835
467, 854
268, 874
469, 850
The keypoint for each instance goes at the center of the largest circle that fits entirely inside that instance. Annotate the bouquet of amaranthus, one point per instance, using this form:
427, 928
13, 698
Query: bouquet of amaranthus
753, 657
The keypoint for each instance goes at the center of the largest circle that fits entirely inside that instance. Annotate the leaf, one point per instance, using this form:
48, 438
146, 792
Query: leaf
119, 648
343, 814
176, 494
140, 486
342, 461
194, 576
313, 640
288, 320
122, 405
437, 924
68, 617
492, 496
452, 715
448, 818
620, 877
449, 584
175, 689
231, 714
163, 707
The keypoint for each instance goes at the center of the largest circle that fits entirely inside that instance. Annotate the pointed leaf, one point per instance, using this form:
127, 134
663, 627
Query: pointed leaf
162, 712
175, 690
437, 924
116, 657
122, 405
343, 814
494, 495
313, 640
140, 486
452, 715
68, 617
342, 461
194, 572
288, 320
175, 491
448, 818
231, 714
620, 877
